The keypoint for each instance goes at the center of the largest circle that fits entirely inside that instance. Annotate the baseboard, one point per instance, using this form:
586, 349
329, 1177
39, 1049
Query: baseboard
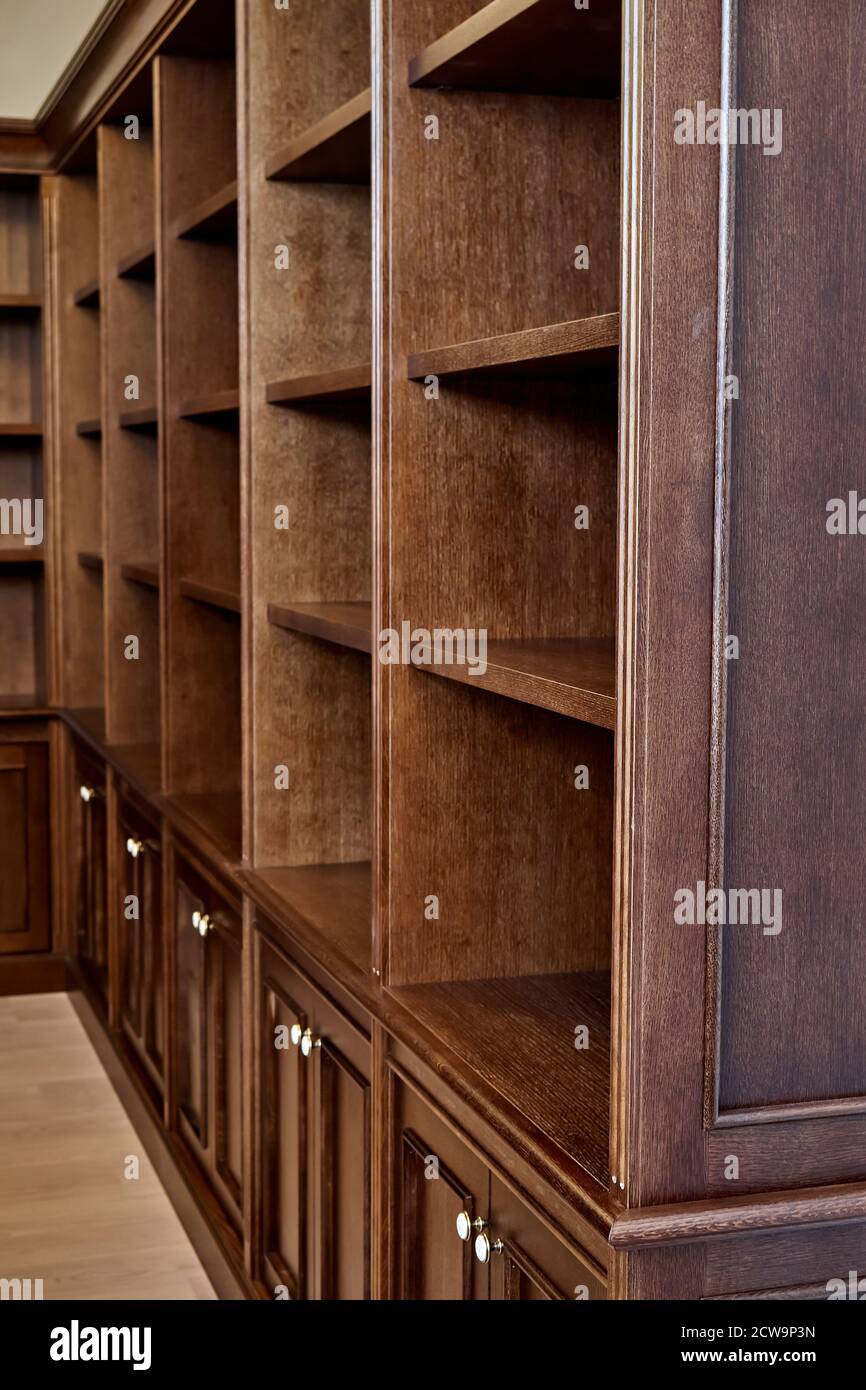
45, 974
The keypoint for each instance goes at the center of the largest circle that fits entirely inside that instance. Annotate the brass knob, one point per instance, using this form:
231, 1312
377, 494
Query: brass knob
465, 1225
484, 1248
87, 793
201, 922
134, 847
308, 1042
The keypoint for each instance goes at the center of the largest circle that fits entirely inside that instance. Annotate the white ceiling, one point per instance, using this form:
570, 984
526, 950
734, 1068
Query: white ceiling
38, 39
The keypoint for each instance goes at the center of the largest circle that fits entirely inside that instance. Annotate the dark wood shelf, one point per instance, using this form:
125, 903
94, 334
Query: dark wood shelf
215, 815
139, 763
343, 624
213, 219
88, 296
21, 555
218, 407
143, 418
572, 676
13, 706
541, 46
502, 1028
90, 560
329, 905
556, 350
89, 429
345, 384
140, 264
226, 599
18, 429
21, 303
144, 574
335, 150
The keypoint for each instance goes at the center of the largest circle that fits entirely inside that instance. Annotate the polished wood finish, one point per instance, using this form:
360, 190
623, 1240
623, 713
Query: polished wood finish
463, 885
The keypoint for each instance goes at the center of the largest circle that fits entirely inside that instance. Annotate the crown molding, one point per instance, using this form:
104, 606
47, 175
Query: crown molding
120, 44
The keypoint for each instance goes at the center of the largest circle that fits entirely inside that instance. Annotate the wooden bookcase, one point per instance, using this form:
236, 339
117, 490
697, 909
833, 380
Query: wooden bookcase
412, 315
23, 637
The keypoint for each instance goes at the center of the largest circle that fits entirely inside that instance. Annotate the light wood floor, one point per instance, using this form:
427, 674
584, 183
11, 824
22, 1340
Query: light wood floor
68, 1215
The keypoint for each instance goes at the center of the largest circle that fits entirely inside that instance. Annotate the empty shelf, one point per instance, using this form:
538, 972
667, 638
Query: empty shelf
335, 150
213, 219
543, 46
226, 599
139, 264
145, 574
558, 349
345, 384
88, 296
225, 404
344, 624
572, 676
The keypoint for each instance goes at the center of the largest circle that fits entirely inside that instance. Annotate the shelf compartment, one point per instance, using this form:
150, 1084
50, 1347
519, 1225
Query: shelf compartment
139, 264
213, 219
546, 47
335, 150
217, 815
345, 384
91, 560
18, 556
500, 1028
89, 429
571, 676
144, 418
19, 429
228, 600
329, 905
343, 624
556, 350
219, 406
88, 296
145, 574
21, 303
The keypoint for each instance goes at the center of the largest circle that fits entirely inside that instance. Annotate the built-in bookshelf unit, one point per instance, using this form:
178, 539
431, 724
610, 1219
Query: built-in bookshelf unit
371, 665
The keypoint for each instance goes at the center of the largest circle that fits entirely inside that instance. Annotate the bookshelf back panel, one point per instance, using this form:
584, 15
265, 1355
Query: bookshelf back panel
486, 817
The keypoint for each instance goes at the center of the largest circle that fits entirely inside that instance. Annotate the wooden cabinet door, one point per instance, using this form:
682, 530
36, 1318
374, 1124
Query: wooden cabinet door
284, 1014
224, 950
192, 1021
209, 1022
339, 1054
527, 1261
140, 945
91, 874
440, 1183
24, 855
